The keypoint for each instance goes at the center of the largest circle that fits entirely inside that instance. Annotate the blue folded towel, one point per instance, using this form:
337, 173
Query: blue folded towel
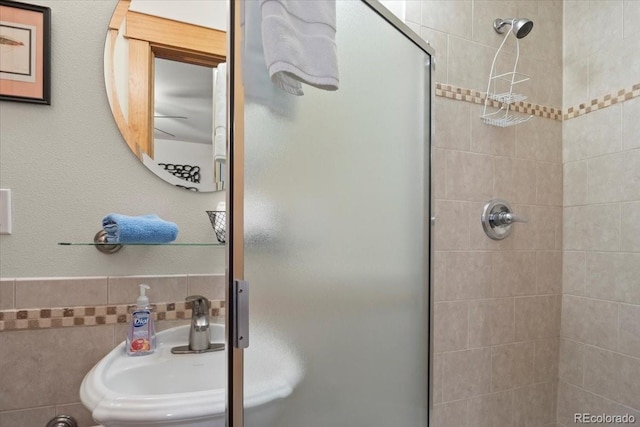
138, 229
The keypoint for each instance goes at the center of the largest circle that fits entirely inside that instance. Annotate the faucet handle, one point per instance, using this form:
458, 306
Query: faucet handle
200, 304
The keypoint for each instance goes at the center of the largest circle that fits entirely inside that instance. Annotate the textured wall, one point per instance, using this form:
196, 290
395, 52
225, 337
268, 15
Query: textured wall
600, 340
497, 304
68, 166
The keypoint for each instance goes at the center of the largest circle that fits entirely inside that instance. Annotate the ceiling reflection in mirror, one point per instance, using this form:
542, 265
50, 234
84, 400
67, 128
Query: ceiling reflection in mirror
165, 80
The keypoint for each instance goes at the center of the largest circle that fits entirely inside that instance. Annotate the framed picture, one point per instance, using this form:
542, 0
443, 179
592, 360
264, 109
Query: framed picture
25, 52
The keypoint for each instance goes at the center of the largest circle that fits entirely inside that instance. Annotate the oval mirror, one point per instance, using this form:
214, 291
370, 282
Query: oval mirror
164, 63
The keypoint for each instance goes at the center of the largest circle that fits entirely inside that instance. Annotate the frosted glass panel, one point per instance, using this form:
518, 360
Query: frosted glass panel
336, 238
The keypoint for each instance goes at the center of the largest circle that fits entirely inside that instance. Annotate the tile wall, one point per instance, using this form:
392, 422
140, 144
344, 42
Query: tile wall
497, 303
42, 368
600, 334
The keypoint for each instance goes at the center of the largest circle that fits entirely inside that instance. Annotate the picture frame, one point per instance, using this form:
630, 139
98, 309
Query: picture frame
25, 52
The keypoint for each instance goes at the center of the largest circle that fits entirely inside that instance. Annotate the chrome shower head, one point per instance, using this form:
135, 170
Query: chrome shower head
520, 27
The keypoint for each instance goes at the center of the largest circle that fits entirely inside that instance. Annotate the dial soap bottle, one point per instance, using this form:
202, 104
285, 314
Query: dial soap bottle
141, 337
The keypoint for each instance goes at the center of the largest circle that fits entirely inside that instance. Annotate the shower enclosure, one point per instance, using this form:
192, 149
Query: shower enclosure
330, 201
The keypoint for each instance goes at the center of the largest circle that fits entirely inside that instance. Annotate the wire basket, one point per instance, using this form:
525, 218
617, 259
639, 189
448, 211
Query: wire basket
219, 222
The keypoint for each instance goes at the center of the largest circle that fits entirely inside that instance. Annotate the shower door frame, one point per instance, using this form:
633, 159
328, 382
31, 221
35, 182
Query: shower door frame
235, 202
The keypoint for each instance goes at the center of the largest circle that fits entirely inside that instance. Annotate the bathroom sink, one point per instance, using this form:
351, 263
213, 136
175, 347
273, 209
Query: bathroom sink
186, 389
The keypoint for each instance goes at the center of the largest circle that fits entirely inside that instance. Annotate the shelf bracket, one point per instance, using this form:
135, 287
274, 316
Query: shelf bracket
101, 244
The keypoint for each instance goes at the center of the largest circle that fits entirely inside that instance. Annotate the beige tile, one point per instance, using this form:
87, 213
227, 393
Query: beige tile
575, 82
60, 292
630, 123
630, 12
576, 32
208, 285
630, 226
469, 176
549, 272
78, 411
31, 379
439, 176
440, 42
629, 323
466, 373
413, 11
614, 277
576, 183
451, 229
478, 239
440, 287
512, 366
450, 326
590, 321
615, 178
574, 400
612, 375
469, 64
582, 233
571, 368
491, 322
611, 70
537, 317
452, 127
604, 37
539, 139
574, 268
546, 360
549, 184
516, 180
484, 13
490, 139
514, 273
467, 275
542, 232
534, 405
593, 134
123, 290
452, 414
453, 17
438, 364
7, 292
494, 409
33, 417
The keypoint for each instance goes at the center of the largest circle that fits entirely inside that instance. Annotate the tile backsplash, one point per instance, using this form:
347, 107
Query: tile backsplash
46, 323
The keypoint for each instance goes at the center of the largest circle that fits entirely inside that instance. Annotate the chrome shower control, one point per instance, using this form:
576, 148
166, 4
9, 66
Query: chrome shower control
497, 218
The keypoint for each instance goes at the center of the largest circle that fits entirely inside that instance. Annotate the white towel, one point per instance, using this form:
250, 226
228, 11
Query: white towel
299, 43
220, 114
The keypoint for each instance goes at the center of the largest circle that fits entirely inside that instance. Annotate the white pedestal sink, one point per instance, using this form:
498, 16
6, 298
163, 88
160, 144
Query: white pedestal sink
165, 389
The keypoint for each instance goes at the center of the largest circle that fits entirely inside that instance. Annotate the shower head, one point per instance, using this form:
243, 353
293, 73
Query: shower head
520, 27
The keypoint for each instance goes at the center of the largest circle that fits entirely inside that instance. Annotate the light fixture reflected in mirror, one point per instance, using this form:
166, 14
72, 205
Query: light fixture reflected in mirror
160, 77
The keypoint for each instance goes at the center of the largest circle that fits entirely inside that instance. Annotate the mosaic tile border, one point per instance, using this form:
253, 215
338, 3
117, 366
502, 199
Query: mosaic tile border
44, 318
603, 101
477, 97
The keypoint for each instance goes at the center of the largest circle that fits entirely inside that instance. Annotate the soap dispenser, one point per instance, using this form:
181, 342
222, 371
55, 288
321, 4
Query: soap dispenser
141, 337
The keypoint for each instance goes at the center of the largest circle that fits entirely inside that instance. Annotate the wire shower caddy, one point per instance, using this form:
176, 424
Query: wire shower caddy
503, 116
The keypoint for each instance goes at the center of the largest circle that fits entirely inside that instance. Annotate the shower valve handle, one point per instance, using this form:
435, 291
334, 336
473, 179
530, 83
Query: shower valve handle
506, 218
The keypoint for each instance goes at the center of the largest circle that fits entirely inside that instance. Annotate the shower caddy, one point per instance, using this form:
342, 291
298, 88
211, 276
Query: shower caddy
504, 117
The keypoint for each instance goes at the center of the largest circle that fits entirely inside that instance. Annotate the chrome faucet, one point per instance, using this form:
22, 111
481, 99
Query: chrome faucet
199, 330
199, 333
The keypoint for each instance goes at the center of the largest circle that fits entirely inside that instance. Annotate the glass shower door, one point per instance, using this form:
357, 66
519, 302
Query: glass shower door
335, 229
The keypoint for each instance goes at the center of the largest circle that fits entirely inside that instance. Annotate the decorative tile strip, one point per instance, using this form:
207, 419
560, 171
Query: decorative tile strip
477, 97
43, 318
603, 101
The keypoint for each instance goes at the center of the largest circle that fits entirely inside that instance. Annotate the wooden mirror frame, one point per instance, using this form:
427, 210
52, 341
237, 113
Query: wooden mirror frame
150, 37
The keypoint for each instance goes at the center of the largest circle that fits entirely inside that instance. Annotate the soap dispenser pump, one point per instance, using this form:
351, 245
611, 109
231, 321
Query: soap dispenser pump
141, 337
